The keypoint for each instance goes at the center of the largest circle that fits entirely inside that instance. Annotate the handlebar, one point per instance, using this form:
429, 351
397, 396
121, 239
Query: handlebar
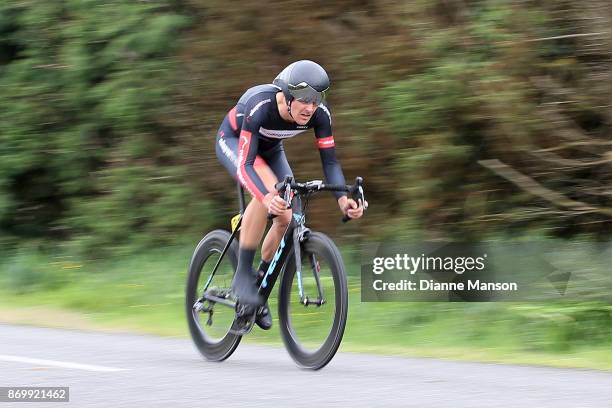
358, 195
288, 185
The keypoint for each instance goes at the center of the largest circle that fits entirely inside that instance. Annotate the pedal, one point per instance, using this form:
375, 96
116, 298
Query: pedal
242, 326
244, 320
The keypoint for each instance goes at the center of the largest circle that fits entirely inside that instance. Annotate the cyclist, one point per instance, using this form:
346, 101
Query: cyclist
249, 144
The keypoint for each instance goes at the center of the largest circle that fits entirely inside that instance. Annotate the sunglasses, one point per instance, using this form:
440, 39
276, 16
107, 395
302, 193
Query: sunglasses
306, 93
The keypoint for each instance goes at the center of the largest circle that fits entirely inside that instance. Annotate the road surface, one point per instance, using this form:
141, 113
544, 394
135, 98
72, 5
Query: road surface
119, 370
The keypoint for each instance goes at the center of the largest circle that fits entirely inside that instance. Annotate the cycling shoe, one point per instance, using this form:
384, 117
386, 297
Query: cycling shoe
245, 289
264, 318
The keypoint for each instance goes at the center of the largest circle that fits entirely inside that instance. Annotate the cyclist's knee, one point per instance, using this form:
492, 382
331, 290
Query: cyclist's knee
256, 210
283, 221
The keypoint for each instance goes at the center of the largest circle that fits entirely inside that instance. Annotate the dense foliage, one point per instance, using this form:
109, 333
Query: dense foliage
86, 151
465, 117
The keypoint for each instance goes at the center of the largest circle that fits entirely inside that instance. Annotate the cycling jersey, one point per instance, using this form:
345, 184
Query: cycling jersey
252, 133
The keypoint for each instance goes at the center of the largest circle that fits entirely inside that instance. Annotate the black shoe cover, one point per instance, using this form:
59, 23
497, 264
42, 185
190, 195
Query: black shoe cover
245, 289
264, 318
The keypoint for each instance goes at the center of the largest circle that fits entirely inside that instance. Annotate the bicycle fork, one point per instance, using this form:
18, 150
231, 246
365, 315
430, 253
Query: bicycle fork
300, 234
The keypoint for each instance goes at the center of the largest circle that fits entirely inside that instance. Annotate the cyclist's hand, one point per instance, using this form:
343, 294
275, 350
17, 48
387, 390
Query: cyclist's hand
275, 204
349, 207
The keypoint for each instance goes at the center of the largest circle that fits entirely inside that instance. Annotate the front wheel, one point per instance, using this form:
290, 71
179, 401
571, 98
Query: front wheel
312, 327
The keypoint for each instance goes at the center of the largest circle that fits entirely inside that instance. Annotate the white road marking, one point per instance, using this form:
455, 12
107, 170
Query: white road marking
63, 364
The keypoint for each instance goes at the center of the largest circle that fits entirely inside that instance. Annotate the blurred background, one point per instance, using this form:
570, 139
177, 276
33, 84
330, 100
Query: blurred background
467, 119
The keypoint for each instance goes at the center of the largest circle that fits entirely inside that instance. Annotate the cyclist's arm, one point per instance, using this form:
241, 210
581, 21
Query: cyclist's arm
327, 149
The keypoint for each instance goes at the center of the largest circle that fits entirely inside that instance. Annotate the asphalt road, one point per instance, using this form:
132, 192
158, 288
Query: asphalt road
117, 370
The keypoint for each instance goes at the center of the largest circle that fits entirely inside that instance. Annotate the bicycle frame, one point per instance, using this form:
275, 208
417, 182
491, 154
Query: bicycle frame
295, 233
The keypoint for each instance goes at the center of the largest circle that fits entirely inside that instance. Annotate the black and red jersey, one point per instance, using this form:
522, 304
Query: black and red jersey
257, 122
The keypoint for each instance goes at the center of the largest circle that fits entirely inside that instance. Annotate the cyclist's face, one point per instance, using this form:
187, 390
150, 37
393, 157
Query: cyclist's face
302, 112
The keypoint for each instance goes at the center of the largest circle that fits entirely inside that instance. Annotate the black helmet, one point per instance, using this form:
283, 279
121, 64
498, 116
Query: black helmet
304, 80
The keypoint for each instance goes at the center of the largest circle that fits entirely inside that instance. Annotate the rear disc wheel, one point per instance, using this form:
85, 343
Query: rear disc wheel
210, 332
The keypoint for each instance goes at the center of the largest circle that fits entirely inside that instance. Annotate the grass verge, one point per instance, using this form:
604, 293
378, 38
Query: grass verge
144, 293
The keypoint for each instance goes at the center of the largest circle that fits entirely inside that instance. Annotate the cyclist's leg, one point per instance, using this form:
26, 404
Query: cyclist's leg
259, 214
254, 220
277, 161
278, 168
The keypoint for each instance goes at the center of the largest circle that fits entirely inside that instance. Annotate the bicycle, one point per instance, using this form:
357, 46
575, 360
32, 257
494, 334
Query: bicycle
228, 321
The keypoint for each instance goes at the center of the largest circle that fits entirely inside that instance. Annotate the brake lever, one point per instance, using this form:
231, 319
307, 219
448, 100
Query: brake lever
283, 187
358, 195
